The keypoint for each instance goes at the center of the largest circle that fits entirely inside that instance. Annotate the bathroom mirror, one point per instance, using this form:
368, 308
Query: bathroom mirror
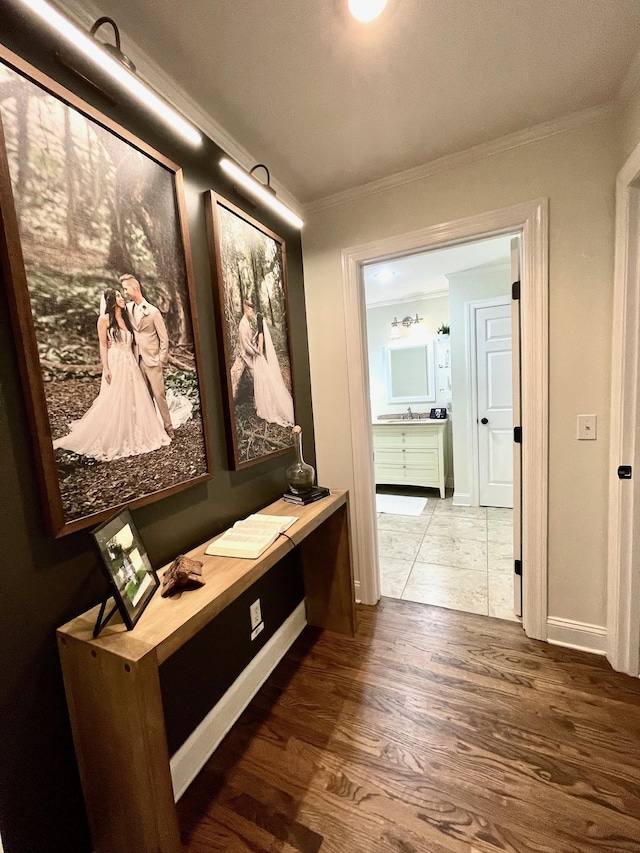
410, 373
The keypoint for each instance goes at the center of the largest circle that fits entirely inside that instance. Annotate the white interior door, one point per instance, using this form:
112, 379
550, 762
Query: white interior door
495, 413
517, 422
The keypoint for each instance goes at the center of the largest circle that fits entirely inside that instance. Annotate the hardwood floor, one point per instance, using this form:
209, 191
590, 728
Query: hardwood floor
430, 731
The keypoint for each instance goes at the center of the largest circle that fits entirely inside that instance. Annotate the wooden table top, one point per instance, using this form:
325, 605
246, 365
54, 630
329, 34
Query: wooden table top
168, 623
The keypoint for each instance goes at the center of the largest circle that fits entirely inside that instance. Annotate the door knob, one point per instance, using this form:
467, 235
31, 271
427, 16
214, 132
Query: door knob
484, 421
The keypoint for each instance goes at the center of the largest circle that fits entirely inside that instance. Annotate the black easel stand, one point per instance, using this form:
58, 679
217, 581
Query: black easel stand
100, 622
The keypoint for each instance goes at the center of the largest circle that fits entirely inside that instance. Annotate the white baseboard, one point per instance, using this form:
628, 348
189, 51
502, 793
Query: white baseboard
577, 635
461, 499
187, 762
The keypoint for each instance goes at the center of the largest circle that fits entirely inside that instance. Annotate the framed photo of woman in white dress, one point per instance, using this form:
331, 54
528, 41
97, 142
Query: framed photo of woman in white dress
250, 270
95, 254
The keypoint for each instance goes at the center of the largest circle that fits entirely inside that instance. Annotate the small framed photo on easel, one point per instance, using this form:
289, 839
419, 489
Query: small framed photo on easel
132, 580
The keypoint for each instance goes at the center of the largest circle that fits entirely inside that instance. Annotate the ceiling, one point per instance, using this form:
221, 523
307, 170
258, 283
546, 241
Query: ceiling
425, 273
329, 103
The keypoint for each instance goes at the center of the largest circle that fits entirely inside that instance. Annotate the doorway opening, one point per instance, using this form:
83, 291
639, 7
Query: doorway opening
531, 220
440, 378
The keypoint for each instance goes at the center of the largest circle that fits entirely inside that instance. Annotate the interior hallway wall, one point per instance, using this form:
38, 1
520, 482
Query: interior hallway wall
576, 171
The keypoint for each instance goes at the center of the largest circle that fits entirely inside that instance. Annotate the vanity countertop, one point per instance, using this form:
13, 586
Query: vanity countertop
407, 421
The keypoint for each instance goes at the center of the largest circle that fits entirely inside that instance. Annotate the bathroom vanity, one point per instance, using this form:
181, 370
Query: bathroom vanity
411, 452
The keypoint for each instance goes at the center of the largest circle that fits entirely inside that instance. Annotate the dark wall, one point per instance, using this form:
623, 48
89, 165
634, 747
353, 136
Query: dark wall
45, 582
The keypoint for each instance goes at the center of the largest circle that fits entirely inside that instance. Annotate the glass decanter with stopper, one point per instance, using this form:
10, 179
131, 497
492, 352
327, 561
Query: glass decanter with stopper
299, 474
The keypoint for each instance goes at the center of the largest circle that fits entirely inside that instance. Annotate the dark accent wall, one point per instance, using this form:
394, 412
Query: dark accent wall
45, 582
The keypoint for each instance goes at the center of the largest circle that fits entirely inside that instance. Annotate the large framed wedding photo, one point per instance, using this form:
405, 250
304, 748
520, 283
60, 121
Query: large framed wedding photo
250, 269
95, 254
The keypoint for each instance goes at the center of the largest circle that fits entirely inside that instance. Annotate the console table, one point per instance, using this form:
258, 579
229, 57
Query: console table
113, 686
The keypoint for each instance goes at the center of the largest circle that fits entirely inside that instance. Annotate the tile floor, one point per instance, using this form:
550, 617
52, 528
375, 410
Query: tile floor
451, 556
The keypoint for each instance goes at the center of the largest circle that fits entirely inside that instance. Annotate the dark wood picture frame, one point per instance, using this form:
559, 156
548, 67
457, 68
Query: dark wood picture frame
163, 247
131, 577
241, 250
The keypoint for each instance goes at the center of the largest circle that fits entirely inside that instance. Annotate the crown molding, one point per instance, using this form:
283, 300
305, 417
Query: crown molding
469, 155
84, 12
497, 265
389, 303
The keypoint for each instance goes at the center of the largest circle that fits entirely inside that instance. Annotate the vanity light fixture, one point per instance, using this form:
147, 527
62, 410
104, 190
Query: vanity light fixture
385, 275
366, 10
417, 330
111, 59
411, 323
264, 192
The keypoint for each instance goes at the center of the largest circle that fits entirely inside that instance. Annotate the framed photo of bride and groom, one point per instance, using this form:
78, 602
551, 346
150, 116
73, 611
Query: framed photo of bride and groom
95, 255
253, 331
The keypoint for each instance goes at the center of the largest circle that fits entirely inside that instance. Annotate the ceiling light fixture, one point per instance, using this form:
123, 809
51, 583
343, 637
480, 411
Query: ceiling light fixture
111, 59
264, 192
366, 10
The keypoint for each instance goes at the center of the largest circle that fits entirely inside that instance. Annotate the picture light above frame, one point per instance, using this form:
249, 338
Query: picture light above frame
110, 58
263, 192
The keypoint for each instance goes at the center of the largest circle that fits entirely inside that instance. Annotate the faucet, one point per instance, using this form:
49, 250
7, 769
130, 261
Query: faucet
410, 413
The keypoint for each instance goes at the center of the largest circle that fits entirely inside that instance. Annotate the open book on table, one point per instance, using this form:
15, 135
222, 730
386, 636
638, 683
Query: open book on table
251, 536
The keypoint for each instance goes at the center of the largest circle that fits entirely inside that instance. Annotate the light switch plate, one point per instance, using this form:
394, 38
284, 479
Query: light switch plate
587, 427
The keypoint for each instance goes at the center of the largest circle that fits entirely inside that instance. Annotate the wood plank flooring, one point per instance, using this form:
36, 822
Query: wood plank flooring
430, 731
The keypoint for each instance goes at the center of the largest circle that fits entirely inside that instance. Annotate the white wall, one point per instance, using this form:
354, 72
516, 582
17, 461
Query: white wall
434, 311
467, 286
576, 171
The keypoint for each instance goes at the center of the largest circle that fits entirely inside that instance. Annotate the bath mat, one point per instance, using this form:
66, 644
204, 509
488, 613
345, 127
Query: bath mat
400, 504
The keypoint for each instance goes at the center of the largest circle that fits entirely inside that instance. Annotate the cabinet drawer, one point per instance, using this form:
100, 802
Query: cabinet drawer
389, 473
407, 474
399, 436
422, 473
406, 456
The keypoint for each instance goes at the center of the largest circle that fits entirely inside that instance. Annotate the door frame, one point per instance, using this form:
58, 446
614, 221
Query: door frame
623, 576
531, 220
471, 344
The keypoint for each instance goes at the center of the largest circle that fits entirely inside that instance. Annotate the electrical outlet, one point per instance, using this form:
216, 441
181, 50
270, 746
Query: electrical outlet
587, 427
255, 614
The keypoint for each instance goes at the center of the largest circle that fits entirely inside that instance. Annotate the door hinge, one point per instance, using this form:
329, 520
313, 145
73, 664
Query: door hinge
515, 290
517, 567
517, 435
